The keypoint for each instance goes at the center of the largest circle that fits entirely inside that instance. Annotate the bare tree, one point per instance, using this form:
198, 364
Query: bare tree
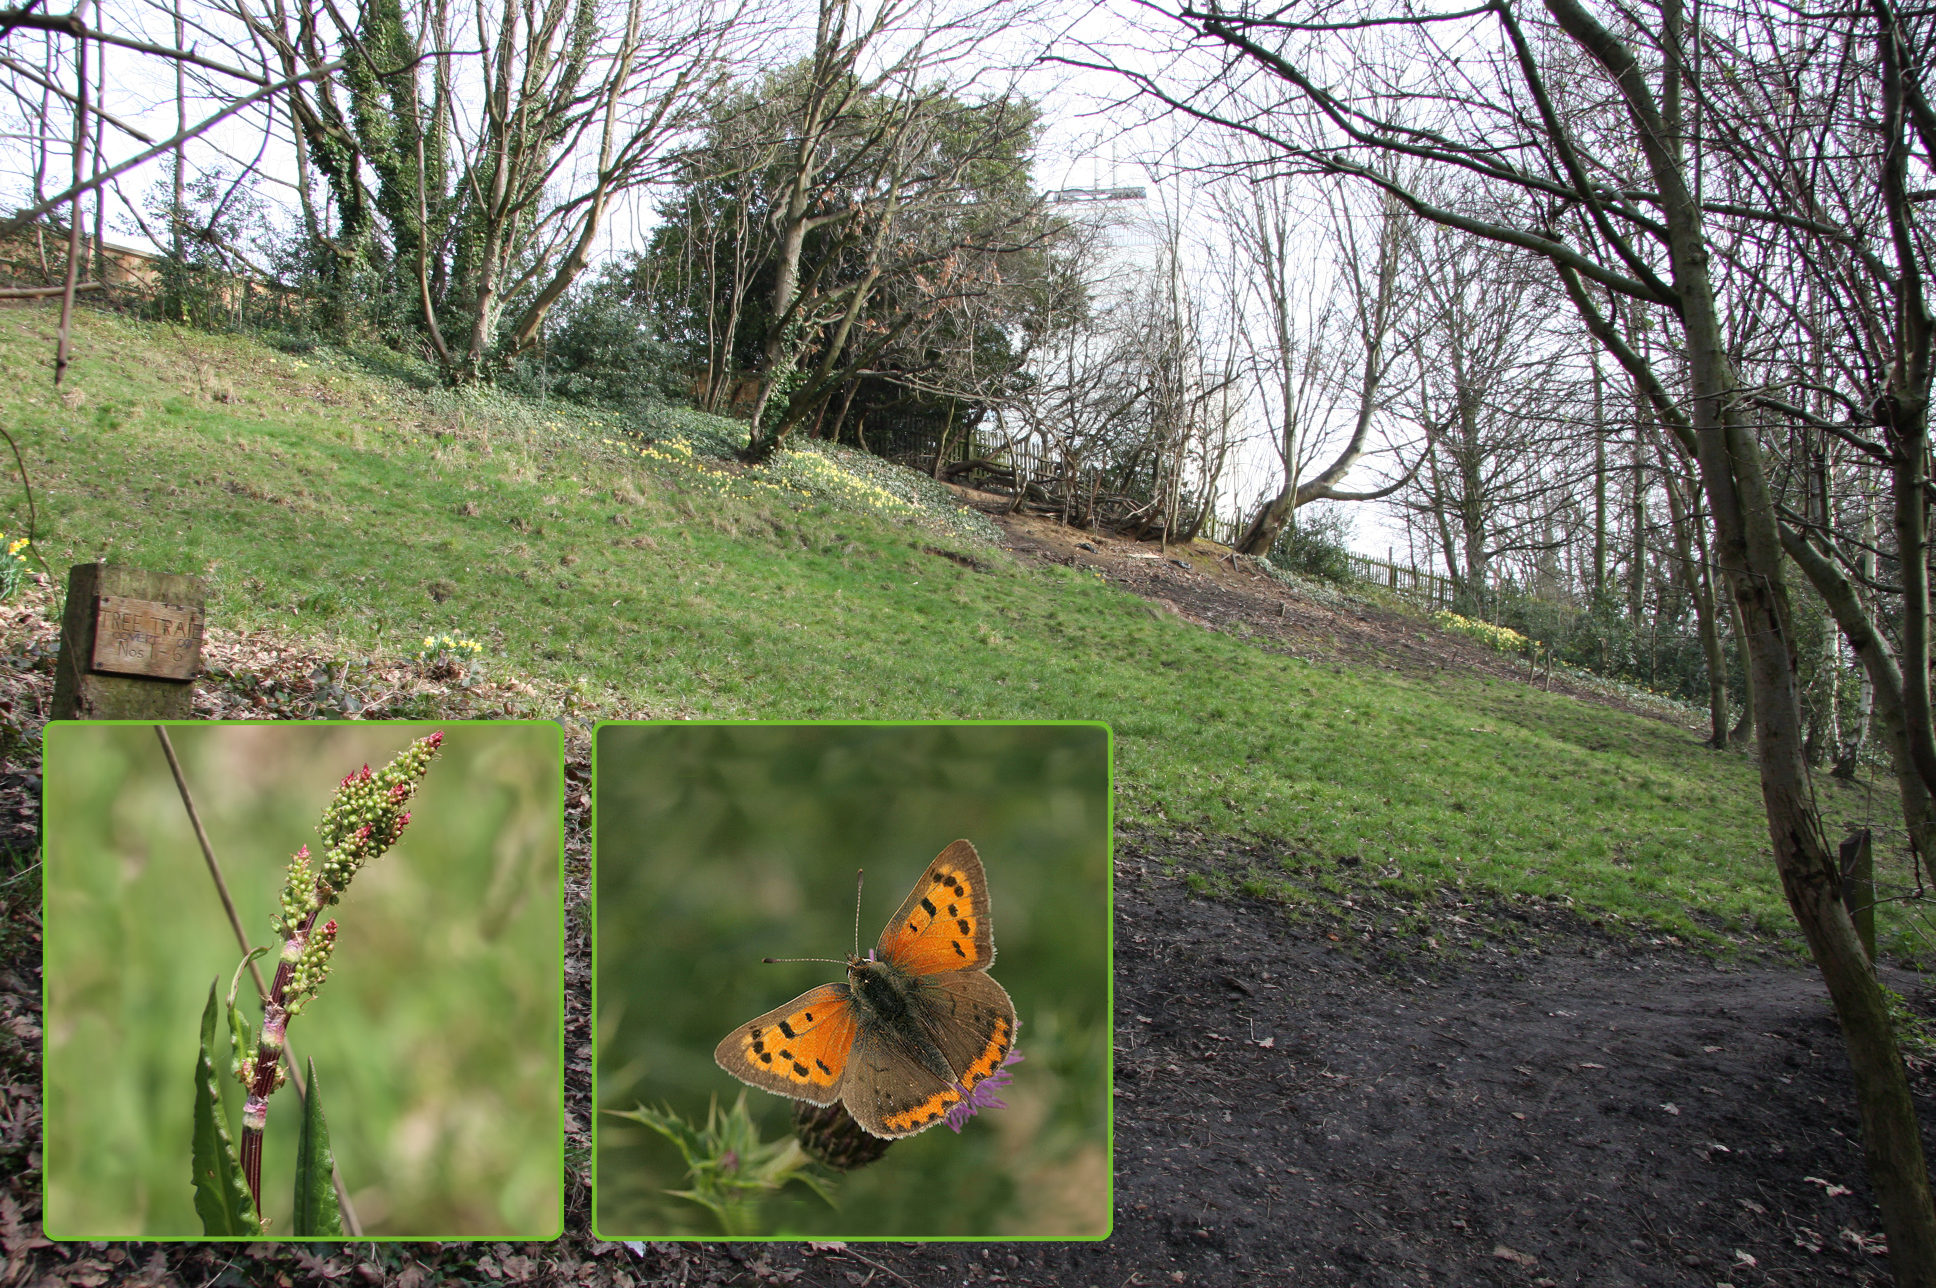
1340, 367
884, 173
499, 137
1491, 393
1573, 135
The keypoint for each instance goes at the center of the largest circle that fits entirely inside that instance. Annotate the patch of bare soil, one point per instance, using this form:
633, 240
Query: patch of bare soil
1203, 583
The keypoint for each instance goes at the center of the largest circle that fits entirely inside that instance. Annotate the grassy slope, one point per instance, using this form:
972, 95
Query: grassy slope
322, 499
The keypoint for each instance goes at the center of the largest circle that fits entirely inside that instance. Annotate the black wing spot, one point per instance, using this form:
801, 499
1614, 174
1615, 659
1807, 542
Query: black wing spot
823, 1068
957, 944
927, 906
766, 1057
800, 1070
788, 1029
963, 923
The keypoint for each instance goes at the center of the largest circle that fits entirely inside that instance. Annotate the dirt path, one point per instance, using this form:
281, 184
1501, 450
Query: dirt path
1200, 583
1554, 1106
1548, 1106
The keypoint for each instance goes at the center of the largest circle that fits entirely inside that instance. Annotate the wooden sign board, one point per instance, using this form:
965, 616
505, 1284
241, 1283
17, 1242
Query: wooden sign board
146, 637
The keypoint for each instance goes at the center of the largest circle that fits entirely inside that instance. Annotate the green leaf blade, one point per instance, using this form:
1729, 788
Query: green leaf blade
317, 1215
221, 1194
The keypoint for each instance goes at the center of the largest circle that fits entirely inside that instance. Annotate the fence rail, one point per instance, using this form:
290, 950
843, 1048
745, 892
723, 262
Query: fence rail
1425, 588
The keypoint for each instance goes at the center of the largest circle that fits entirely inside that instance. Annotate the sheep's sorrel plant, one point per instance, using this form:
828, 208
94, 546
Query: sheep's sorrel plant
363, 819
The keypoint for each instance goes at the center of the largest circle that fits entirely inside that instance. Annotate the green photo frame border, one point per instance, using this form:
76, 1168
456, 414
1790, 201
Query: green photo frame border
560, 788
1109, 971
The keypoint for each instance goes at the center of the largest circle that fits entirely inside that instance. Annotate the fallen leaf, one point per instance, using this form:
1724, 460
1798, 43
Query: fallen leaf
1671, 1108
1876, 1245
1501, 1252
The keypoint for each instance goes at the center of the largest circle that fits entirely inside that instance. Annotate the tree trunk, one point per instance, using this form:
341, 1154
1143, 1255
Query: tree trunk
1748, 550
1691, 581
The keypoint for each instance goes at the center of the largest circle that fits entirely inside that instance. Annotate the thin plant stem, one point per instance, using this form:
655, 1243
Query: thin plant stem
262, 990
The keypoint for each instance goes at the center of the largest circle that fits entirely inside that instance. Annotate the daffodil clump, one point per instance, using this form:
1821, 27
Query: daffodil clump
701, 449
446, 657
13, 568
855, 479
814, 473
677, 455
1502, 639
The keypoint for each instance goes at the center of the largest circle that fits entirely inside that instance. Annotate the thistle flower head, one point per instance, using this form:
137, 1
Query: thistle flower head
982, 1095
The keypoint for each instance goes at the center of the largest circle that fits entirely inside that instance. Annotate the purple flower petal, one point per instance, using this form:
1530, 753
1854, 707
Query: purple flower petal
982, 1095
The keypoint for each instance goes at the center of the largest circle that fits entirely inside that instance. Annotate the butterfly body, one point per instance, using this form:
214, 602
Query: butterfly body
916, 1026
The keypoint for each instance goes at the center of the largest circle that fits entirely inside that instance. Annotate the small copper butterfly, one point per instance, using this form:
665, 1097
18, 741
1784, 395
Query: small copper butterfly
916, 1026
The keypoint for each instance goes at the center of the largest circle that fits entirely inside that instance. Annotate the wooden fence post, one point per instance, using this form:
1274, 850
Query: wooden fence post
131, 644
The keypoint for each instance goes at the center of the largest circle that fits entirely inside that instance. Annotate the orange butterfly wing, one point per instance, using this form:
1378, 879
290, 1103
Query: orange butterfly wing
815, 1048
971, 1020
944, 924
799, 1050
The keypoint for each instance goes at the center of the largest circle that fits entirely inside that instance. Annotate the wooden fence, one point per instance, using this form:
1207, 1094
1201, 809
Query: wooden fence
1427, 589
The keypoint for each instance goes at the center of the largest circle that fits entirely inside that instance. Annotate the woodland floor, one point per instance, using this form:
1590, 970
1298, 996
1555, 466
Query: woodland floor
1541, 1102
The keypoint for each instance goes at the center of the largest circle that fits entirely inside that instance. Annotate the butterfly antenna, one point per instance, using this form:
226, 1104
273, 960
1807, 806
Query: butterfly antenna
860, 879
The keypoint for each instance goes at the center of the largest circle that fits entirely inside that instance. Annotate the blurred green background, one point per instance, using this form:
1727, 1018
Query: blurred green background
720, 845
436, 1038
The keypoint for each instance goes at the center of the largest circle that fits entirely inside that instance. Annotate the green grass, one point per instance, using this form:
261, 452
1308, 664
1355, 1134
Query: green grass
332, 502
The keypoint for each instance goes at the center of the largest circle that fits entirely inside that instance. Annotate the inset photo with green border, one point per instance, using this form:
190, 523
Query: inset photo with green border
720, 845
431, 1012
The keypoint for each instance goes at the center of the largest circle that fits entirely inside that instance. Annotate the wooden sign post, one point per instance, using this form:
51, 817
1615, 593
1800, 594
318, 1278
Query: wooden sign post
131, 644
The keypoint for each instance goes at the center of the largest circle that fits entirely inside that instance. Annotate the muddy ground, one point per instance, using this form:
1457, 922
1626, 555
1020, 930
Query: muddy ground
1203, 584
1300, 1099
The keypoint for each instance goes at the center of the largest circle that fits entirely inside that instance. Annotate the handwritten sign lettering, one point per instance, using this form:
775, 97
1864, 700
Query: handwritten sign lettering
143, 637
